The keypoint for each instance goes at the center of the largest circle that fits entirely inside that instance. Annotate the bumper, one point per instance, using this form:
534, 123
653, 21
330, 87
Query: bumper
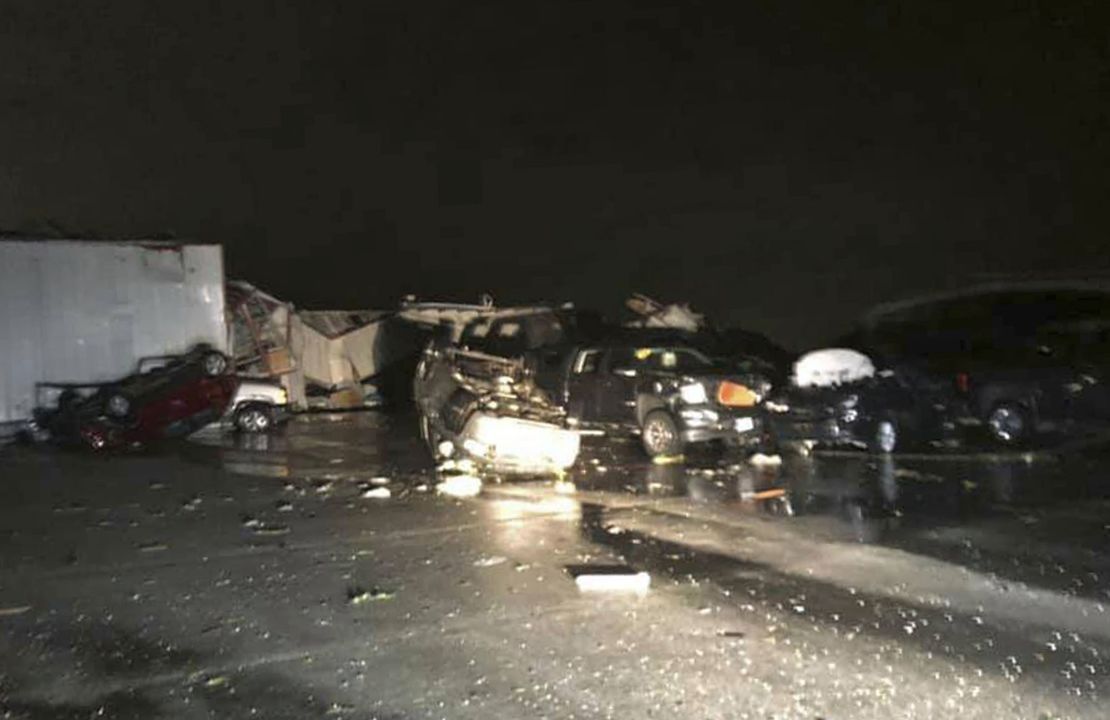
703, 424
828, 431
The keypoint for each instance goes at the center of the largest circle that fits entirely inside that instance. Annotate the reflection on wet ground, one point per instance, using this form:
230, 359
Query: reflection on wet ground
837, 495
874, 495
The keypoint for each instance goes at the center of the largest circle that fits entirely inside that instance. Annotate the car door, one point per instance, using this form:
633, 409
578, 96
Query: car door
583, 384
621, 376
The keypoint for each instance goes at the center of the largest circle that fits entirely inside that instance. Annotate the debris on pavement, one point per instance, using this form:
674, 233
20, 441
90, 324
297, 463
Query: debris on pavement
379, 481
271, 530
153, 547
284, 506
358, 596
216, 681
15, 610
762, 460
378, 493
489, 561
460, 486
668, 459
610, 578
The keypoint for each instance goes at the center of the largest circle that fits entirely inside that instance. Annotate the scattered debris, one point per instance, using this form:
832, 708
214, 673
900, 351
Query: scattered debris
284, 506
378, 493
610, 578
768, 494
379, 481
251, 522
15, 610
489, 561
730, 634
761, 460
460, 486
191, 504
271, 530
358, 596
216, 681
668, 459
153, 547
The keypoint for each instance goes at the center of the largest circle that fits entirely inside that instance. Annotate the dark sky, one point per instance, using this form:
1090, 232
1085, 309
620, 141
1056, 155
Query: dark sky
779, 165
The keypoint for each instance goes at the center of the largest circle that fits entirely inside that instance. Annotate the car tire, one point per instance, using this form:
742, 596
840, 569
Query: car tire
885, 436
117, 406
254, 419
1007, 423
430, 437
214, 363
659, 435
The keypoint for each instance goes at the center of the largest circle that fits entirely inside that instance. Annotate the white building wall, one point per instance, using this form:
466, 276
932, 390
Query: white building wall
80, 311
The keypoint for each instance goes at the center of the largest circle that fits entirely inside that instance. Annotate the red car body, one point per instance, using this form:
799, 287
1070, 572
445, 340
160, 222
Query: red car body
173, 400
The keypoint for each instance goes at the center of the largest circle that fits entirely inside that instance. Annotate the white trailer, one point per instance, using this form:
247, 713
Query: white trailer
74, 311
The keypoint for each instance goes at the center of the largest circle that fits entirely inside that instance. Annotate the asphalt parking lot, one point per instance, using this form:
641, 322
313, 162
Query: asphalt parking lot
270, 577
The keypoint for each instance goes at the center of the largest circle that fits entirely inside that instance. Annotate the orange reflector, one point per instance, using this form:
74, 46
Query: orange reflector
735, 395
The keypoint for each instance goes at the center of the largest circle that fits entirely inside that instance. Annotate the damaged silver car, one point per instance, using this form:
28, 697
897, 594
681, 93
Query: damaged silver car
488, 409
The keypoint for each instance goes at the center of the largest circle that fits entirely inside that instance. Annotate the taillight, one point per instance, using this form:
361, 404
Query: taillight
733, 394
963, 382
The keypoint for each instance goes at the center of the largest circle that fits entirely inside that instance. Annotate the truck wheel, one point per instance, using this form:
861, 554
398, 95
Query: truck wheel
660, 435
1008, 423
253, 419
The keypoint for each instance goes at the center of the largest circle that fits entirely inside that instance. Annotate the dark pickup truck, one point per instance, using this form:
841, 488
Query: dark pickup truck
660, 387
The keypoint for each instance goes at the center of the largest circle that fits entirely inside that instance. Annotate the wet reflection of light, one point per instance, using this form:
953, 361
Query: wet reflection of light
509, 509
522, 524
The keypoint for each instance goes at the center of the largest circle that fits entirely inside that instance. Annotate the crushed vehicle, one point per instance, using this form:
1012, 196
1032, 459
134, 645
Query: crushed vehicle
836, 397
488, 409
661, 386
166, 397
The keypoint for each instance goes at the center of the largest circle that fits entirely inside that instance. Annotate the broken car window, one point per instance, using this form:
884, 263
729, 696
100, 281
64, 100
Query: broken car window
586, 362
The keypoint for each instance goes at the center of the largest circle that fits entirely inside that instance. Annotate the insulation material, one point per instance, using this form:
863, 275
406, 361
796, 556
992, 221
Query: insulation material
654, 314
832, 366
75, 311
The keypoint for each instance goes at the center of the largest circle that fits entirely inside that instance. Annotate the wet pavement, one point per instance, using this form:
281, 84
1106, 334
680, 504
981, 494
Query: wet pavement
273, 577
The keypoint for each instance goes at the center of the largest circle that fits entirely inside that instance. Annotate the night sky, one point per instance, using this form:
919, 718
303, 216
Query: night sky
781, 166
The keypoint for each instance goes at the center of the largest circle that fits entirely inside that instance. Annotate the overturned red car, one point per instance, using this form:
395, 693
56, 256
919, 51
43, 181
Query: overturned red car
166, 397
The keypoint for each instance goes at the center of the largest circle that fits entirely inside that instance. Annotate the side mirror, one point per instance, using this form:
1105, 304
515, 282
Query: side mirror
625, 371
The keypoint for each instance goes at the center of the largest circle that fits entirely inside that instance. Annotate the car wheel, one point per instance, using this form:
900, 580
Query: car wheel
1008, 423
253, 419
117, 405
214, 364
660, 435
431, 438
884, 440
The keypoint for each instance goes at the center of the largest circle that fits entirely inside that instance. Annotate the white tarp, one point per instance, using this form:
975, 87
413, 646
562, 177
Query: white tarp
832, 366
87, 311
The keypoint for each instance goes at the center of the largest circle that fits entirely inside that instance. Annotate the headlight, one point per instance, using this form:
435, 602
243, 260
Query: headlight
693, 394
